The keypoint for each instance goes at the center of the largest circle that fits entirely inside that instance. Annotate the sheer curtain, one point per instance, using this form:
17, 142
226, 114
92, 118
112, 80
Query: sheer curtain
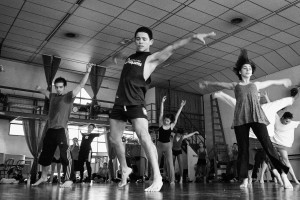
34, 130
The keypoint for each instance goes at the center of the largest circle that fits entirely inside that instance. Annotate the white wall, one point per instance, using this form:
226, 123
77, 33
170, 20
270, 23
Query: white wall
12, 144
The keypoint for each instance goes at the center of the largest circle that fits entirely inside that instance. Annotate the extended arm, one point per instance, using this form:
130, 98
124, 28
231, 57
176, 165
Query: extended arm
159, 57
225, 98
183, 102
225, 85
161, 114
43, 91
190, 134
284, 82
83, 80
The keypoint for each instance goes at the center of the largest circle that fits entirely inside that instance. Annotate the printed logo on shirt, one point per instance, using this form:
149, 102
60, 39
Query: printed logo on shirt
134, 62
86, 137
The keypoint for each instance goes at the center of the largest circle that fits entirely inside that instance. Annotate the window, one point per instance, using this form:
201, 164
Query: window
85, 95
16, 127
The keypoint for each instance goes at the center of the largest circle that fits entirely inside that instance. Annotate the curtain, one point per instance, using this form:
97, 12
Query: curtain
96, 78
34, 131
51, 64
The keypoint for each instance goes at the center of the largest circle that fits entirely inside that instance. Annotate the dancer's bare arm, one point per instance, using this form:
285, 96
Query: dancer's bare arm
264, 84
183, 102
190, 134
159, 57
83, 80
43, 91
161, 114
225, 85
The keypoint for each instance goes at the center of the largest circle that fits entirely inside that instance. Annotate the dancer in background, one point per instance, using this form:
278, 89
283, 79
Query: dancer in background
130, 99
249, 114
61, 104
166, 125
85, 152
202, 163
177, 150
74, 148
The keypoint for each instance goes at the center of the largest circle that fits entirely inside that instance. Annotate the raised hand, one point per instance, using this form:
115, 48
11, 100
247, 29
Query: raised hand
164, 99
183, 102
202, 36
89, 67
197, 133
203, 85
287, 83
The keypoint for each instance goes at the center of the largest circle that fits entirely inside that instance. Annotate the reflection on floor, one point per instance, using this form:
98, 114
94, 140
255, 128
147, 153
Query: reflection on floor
135, 192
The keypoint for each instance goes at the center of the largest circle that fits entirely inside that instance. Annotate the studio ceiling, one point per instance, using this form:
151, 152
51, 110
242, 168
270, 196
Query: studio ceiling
270, 31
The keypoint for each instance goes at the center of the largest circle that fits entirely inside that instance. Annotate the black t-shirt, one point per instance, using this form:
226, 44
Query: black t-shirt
87, 140
132, 86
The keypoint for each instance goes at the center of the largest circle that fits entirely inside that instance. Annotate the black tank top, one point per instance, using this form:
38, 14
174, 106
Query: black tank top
132, 87
164, 135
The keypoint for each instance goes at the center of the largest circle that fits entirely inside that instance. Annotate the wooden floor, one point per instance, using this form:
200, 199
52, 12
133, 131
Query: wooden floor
134, 191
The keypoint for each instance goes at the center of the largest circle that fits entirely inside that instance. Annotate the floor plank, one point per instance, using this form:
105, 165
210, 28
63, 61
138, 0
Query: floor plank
135, 192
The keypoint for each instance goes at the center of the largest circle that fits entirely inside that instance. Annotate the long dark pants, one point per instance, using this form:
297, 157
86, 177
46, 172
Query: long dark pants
261, 132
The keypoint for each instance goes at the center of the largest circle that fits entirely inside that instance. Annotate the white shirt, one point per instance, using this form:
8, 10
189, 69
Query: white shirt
284, 134
271, 109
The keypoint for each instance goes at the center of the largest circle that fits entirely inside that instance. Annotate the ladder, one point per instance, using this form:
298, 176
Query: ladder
220, 149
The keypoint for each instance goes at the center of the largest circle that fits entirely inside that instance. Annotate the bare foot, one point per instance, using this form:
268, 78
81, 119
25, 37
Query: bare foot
125, 174
172, 183
277, 176
180, 180
261, 181
67, 184
286, 182
249, 181
156, 185
245, 183
41, 180
297, 182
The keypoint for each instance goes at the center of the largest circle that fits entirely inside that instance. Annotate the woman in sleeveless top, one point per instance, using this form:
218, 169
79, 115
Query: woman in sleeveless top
249, 114
176, 149
202, 163
166, 126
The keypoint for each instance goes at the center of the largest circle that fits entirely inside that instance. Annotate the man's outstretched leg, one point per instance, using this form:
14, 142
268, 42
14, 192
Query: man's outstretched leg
141, 128
117, 128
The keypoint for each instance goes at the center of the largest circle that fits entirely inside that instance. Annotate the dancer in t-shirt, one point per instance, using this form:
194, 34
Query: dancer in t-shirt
166, 125
249, 114
130, 99
177, 150
85, 152
61, 104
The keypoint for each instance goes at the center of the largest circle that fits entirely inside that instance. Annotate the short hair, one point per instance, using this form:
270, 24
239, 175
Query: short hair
242, 60
144, 30
94, 126
169, 116
60, 80
287, 115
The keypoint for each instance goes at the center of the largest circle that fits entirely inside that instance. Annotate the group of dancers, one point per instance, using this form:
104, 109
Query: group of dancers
130, 106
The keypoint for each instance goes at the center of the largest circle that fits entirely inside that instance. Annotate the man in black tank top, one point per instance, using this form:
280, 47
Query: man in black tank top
130, 99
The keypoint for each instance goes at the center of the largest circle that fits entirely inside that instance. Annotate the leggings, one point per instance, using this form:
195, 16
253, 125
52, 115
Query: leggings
261, 132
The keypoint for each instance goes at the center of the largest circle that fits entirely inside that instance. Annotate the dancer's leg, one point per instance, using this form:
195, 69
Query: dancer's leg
58, 172
242, 137
262, 135
179, 158
53, 165
169, 159
285, 158
89, 170
263, 171
141, 127
117, 128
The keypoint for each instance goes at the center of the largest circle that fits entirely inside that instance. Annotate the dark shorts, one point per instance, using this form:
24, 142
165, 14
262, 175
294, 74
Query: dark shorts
54, 160
176, 152
126, 113
54, 138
